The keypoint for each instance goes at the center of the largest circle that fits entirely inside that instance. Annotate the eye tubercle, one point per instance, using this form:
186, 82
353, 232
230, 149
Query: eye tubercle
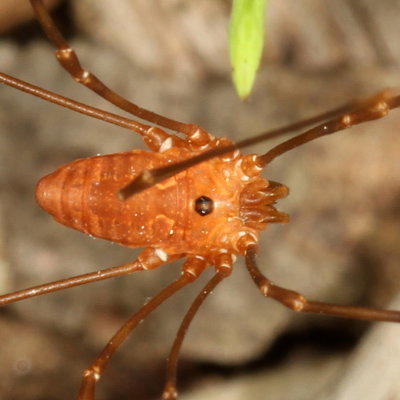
203, 205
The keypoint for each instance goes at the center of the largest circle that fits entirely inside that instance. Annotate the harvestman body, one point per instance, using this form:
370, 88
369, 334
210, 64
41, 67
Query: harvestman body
195, 197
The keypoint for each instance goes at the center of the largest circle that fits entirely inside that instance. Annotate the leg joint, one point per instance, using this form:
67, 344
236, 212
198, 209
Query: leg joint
293, 300
91, 374
193, 267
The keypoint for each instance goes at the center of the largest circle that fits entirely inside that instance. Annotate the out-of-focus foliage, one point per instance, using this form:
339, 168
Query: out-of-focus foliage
246, 39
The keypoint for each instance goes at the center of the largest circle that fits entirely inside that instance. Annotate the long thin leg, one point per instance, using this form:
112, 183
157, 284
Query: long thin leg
155, 138
68, 59
148, 259
375, 107
223, 271
73, 104
350, 114
296, 302
191, 270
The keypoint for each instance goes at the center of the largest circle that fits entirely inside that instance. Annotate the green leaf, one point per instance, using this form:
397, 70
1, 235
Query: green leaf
246, 39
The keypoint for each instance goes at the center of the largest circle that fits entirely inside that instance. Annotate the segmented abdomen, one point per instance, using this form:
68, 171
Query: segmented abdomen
83, 195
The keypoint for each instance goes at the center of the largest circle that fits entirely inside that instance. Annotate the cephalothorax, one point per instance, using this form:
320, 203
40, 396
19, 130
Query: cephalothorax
196, 198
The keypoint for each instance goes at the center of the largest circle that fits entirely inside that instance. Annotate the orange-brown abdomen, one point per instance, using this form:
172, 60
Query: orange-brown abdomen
83, 195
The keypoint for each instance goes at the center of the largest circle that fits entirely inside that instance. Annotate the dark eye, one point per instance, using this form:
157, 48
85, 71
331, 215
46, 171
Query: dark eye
204, 205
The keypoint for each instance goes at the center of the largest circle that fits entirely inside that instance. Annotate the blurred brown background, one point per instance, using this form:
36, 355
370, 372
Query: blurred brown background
342, 244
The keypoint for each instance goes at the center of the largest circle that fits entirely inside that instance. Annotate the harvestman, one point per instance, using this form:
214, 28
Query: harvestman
221, 217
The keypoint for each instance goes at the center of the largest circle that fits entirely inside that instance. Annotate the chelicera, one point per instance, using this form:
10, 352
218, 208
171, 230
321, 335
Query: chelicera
195, 197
